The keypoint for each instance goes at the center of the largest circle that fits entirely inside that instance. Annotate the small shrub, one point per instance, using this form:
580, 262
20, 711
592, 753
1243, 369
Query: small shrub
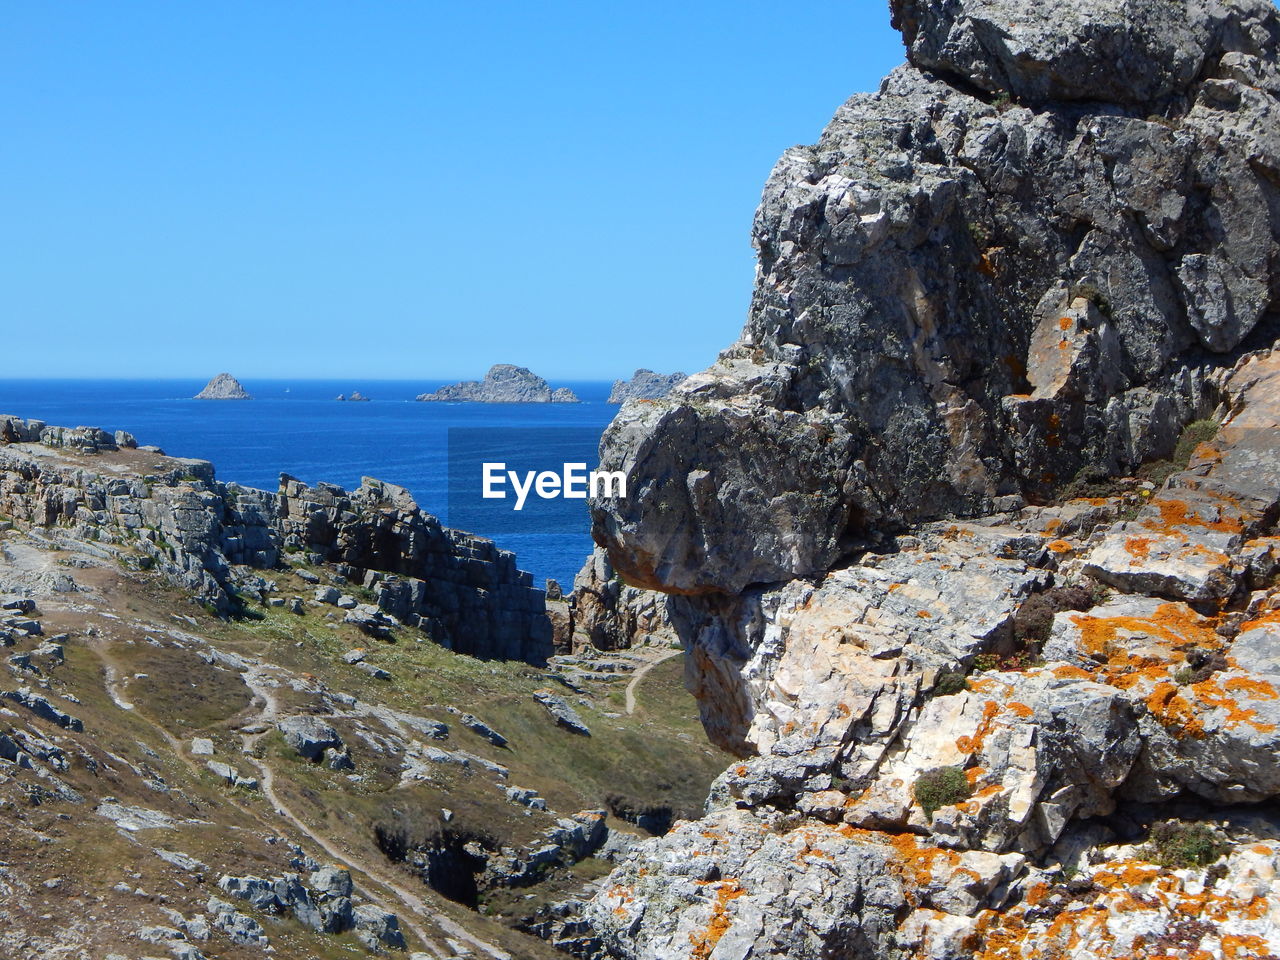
939, 788
1193, 434
1092, 293
1184, 677
986, 661
1089, 482
1034, 619
949, 682
1173, 844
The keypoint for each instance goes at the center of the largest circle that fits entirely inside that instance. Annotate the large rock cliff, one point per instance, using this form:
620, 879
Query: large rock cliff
971, 663
994, 272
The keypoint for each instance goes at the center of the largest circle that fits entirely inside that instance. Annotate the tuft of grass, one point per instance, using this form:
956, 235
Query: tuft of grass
939, 788
1173, 844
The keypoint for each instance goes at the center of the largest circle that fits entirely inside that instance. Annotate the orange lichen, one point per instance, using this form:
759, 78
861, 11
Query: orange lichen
1267, 619
916, 862
1020, 709
973, 744
704, 942
924, 614
1068, 672
1177, 513
1138, 547
1053, 526
1174, 623
1065, 323
974, 774
1060, 546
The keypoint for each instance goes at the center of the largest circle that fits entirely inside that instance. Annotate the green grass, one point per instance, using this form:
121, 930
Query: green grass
941, 787
1175, 845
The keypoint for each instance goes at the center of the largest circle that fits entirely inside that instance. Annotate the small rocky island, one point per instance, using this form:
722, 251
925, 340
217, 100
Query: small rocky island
644, 385
356, 397
223, 387
504, 383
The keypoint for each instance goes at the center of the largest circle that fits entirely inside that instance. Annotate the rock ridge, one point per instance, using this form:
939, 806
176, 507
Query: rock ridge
644, 385
504, 383
172, 515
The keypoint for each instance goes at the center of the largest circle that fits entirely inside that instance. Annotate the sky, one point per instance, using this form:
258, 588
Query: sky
399, 189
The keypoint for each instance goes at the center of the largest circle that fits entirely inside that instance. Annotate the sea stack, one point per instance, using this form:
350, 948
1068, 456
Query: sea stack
223, 387
644, 385
504, 383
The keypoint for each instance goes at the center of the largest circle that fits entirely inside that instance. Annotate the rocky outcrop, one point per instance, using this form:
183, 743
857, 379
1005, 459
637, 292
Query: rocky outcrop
504, 383
607, 614
465, 591
223, 387
172, 515
963, 701
967, 292
644, 385
356, 397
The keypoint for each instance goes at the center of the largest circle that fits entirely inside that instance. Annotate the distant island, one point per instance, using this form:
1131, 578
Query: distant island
644, 385
504, 383
356, 396
223, 387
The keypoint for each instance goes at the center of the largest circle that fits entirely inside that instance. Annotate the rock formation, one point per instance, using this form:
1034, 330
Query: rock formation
223, 387
967, 293
174, 516
504, 383
356, 397
644, 385
972, 705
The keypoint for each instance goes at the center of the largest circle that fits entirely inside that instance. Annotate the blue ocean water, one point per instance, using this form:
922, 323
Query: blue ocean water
296, 427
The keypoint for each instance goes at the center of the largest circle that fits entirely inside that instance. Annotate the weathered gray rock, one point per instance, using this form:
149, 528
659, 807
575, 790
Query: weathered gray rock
1140, 52
309, 736
503, 383
223, 387
240, 928
563, 714
482, 729
1041, 249
42, 708
960, 300
644, 385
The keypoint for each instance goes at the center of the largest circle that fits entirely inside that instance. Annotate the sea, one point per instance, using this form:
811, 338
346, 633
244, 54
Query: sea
297, 427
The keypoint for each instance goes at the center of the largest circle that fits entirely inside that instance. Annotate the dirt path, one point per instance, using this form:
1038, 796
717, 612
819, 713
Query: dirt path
261, 721
254, 678
639, 675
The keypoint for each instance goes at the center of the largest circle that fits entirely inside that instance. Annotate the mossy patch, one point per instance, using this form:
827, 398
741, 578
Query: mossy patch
941, 787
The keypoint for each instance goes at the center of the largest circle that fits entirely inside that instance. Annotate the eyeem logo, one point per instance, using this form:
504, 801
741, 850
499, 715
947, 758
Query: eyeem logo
572, 483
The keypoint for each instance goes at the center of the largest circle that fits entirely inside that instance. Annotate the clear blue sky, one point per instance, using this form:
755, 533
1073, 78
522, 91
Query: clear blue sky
399, 189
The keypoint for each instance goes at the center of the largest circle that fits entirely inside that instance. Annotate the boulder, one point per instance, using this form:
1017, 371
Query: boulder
309, 736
